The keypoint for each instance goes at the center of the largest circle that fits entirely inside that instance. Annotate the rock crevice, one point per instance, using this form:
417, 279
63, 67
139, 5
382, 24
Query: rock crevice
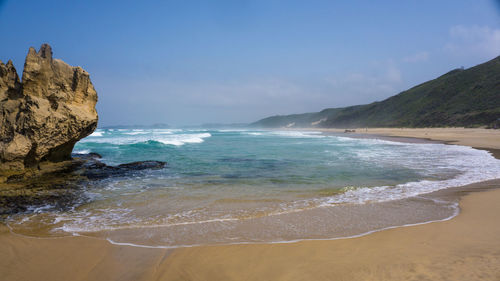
45, 114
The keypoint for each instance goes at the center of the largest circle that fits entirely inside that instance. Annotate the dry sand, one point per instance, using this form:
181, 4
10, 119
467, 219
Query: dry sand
464, 248
479, 138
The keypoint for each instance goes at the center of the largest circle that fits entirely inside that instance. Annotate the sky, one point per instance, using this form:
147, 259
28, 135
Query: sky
185, 62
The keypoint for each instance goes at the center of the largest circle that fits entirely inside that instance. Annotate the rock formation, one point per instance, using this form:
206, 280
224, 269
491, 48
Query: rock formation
42, 117
63, 187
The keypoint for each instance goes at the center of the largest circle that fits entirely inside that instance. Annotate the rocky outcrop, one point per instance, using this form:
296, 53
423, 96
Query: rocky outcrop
93, 169
63, 183
42, 117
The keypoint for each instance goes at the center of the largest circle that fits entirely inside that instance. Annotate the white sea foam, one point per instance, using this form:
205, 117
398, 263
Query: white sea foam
456, 165
471, 164
136, 133
291, 134
468, 165
40, 209
165, 137
96, 134
166, 131
298, 134
83, 151
183, 138
455, 213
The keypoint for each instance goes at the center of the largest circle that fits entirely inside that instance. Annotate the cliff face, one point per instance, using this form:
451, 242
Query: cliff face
42, 117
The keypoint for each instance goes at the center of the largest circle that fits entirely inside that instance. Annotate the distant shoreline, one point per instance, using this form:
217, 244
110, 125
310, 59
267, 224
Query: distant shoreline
487, 139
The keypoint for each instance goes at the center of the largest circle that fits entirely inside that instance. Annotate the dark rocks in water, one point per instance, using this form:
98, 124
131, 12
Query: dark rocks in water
98, 170
43, 195
95, 169
87, 156
142, 165
95, 155
62, 188
50, 191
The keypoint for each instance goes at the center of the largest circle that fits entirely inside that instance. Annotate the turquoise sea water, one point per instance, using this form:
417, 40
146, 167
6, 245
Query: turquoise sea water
224, 186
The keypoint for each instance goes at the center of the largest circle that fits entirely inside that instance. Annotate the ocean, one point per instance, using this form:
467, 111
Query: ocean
257, 186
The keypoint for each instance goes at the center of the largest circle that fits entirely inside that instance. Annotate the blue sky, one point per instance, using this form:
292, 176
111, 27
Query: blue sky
192, 62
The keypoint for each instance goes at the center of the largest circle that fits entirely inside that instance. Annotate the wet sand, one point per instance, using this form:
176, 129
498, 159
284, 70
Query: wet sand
463, 248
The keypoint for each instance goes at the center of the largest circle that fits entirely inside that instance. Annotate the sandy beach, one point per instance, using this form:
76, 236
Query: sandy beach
463, 248
478, 138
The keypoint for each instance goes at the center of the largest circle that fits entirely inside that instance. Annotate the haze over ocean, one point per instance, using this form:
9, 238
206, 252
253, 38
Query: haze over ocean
191, 62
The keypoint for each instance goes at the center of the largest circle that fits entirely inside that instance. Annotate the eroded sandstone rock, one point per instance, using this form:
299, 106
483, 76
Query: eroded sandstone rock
42, 117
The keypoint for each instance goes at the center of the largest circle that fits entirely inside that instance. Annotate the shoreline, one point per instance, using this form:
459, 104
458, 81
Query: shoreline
191, 263
403, 253
376, 256
487, 139
448, 195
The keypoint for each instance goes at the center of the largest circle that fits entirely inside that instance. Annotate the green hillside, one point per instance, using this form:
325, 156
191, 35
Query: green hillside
467, 98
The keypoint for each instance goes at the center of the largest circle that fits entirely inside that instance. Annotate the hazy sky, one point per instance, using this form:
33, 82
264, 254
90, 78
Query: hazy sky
190, 62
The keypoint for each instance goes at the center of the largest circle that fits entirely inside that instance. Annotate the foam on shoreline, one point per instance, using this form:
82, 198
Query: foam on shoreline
471, 166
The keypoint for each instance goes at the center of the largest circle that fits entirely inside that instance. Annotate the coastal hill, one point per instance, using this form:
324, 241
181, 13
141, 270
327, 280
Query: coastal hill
460, 98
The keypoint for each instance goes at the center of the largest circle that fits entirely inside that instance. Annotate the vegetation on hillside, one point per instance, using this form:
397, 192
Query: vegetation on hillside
467, 98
